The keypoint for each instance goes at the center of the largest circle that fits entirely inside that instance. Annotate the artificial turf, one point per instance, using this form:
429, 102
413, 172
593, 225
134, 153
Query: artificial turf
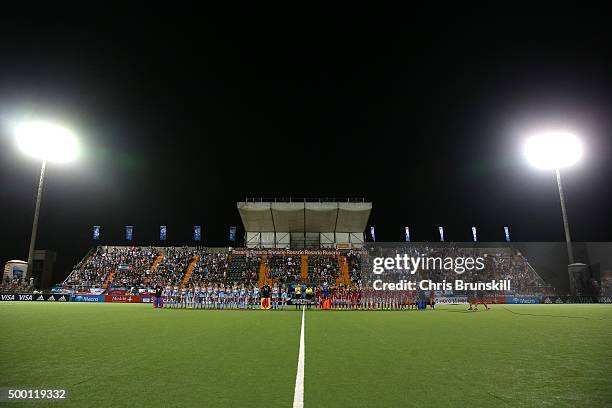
132, 355
520, 355
121, 355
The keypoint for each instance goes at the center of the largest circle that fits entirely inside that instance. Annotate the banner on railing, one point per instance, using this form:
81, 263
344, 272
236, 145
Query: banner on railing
523, 300
16, 297
123, 299
116, 291
88, 298
287, 252
451, 300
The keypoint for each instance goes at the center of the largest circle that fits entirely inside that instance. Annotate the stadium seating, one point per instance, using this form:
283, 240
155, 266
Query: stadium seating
243, 267
134, 268
106, 266
284, 269
323, 269
211, 266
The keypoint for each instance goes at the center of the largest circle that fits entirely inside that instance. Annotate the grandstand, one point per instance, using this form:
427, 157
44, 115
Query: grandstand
288, 242
142, 268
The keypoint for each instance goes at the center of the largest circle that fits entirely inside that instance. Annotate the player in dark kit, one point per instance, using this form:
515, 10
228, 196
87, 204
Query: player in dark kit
265, 292
325, 294
474, 299
158, 302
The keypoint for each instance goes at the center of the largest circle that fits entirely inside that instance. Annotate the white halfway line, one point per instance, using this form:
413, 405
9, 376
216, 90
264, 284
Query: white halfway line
298, 395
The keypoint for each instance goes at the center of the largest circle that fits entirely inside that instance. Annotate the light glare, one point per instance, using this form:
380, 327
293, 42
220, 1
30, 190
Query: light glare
553, 150
46, 141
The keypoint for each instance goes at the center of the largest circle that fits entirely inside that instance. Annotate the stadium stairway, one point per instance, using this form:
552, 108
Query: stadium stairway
345, 277
156, 263
109, 280
304, 268
263, 272
189, 271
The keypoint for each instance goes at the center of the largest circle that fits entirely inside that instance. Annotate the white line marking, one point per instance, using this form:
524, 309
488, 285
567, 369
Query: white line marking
298, 395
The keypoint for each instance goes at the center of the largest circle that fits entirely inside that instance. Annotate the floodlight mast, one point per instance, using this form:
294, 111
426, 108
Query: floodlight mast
35, 222
48, 142
552, 151
568, 239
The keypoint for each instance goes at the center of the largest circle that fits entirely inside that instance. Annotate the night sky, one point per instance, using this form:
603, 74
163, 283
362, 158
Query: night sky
422, 112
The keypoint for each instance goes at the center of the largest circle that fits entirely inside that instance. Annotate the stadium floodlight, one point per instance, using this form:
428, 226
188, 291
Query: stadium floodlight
554, 150
49, 142
46, 141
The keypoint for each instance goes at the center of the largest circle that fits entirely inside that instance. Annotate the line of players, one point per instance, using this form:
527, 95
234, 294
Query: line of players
221, 297
214, 296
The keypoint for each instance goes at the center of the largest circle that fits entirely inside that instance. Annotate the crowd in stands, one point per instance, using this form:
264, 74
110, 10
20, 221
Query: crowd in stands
93, 270
354, 263
172, 267
243, 267
516, 268
212, 267
137, 268
323, 269
499, 264
16, 285
132, 268
283, 268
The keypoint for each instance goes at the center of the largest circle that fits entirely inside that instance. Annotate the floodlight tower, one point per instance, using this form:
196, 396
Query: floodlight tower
50, 143
552, 151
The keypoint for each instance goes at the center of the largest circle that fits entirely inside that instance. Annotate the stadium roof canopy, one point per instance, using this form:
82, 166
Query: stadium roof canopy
305, 216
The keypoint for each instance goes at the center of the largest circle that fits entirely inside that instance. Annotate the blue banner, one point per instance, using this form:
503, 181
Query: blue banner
96, 232
232, 234
523, 300
373, 234
162, 232
507, 233
474, 237
407, 234
129, 232
197, 232
441, 231
87, 298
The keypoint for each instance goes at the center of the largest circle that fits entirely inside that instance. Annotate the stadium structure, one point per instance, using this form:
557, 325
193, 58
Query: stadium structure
303, 223
290, 242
